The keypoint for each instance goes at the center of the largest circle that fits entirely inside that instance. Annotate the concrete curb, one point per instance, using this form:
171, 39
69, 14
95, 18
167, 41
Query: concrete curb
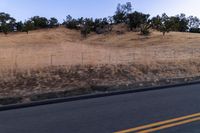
97, 95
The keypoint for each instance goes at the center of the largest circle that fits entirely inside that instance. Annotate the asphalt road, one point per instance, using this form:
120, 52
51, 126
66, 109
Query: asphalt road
111, 114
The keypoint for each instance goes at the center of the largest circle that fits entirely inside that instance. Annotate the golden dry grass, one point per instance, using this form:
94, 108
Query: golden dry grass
61, 46
83, 78
105, 59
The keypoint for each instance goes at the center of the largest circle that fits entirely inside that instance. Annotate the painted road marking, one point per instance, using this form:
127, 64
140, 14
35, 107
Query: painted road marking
170, 125
163, 124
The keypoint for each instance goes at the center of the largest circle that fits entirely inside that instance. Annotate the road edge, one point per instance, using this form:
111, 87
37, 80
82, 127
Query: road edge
91, 96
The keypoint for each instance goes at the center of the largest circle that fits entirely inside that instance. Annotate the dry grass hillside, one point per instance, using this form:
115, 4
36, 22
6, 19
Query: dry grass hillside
62, 57
46, 36
62, 46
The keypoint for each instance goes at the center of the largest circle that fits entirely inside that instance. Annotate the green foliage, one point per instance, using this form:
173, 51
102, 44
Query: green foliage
4, 17
19, 26
7, 23
85, 30
183, 23
87, 27
194, 30
28, 25
121, 12
103, 25
39, 22
165, 26
71, 23
144, 29
136, 19
193, 24
156, 22
174, 23
5, 28
53, 22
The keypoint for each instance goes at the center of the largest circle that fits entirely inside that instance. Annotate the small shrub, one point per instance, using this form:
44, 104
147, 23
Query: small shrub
85, 30
145, 29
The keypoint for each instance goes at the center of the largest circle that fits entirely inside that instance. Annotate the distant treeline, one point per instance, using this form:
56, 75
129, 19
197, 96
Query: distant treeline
135, 21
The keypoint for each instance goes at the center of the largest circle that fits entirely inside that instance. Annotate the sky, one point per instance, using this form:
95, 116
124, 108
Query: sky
24, 9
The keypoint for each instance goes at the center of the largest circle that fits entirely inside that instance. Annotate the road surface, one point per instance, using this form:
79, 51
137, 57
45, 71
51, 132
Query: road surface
173, 110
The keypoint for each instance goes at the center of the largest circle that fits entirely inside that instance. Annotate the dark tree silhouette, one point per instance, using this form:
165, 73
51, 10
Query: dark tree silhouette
53, 22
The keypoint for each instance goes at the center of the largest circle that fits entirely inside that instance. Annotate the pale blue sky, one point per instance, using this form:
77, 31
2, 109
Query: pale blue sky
23, 9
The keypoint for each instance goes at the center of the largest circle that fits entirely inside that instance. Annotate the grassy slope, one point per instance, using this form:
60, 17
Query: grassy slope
151, 58
67, 47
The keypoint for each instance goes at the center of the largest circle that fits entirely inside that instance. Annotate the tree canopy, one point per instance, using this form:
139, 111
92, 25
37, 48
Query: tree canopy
124, 14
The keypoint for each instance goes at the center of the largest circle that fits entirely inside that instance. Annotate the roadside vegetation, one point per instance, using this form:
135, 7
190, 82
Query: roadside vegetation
54, 82
81, 54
